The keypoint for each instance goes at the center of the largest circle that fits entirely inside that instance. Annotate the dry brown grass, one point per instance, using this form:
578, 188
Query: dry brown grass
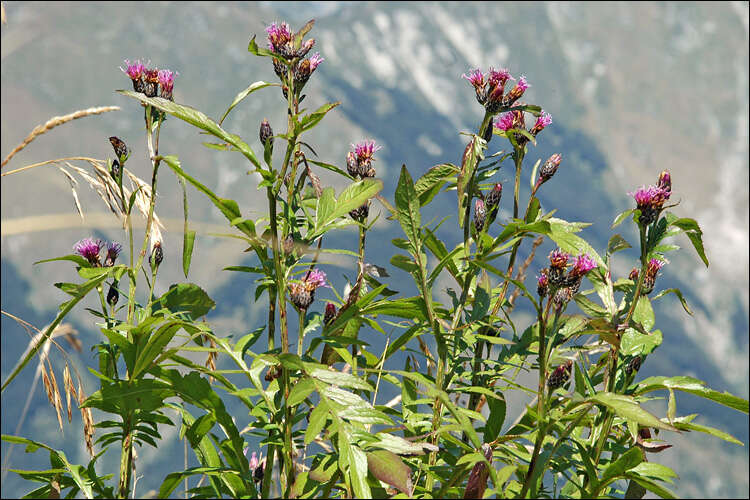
56, 121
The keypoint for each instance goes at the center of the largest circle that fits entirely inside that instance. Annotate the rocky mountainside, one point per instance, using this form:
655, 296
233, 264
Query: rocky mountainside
632, 89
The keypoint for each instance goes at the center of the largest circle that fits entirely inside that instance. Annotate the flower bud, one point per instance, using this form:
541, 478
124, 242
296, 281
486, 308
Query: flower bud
330, 314
634, 274
492, 202
562, 297
516, 93
279, 68
150, 82
548, 169
542, 283
559, 376
157, 255
541, 122
302, 293
558, 264
649, 279
480, 214
121, 149
113, 295
665, 183
116, 171
265, 133
633, 365
476, 79
360, 214
273, 373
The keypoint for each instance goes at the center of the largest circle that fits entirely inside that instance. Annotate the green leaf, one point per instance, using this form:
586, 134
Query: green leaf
390, 469
123, 397
186, 298
188, 236
617, 243
355, 195
689, 426
644, 313
258, 51
693, 231
309, 121
473, 154
249, 90
495, 420
332, 168
651, 486
155, 346
429, 185
621, 217
318, 419
677, 292
74, 258
627, 408
407, 210
634, 343
301, 389
197, 119
340, 379
627, 461
589, 307
229, 208
562, 233
358, 473
693, 386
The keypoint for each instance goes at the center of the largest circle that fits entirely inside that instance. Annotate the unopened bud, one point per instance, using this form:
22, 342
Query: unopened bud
266, 133
549, 168
157, 255
116, 171
360, 214
634, 365
480, 214
113, 295
330, 314
279, 68
150, 82
665, 183
559, 376
492, 201
351, 164
634, 274
542, 283
121, 149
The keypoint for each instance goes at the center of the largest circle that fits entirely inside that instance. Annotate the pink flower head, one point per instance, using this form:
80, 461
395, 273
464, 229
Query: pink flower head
542, 284
558, 259
543, 120
665, 183
113, 250
504, 122
582, 265
166, 80
278, 35
315, 61
89, 249
654, 265
365, 150
315, 279
522, 84
134, 70
650, 197
476, 78
253, 462
498, 77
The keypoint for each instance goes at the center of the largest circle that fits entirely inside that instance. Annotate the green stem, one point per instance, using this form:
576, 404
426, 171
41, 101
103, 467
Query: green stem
301, 335
126, 459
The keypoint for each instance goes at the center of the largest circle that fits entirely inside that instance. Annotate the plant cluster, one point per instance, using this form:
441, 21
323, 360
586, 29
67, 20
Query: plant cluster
323, 430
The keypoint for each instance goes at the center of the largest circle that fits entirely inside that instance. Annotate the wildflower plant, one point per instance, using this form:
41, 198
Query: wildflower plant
323, 430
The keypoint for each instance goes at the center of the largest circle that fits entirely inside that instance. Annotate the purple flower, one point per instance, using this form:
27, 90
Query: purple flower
650, 197
498, 77
582, 265
315, 61
476, 78
365, 150
89, 249
522, 84
253, 462
541, 122
665, 183
558, 259
542, 283
166, 80
113, 250
134, 70
504, 122
315, 279
278, 35
654, 265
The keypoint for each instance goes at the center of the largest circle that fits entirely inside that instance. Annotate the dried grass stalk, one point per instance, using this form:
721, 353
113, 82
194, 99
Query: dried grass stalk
47, 385
73, 184
58, 399
87, 419
521, 276
67, 384
54, 122
211, 360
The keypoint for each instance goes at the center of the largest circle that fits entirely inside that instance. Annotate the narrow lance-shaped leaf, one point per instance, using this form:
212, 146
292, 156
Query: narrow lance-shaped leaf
407, 210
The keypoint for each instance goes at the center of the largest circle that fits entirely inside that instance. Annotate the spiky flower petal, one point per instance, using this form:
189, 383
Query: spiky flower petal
89, 249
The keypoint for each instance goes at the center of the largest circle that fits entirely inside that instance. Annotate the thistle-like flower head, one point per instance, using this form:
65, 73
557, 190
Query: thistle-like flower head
365, 150
279, 34
498, 77
476, 78
649, 197
113, 250
166, 81
315, 279
542, 283
665, 183
134, 70
542, 121
315, 61
504, 122
89, 249
654, 265
558, 259
582, 265
522, 84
